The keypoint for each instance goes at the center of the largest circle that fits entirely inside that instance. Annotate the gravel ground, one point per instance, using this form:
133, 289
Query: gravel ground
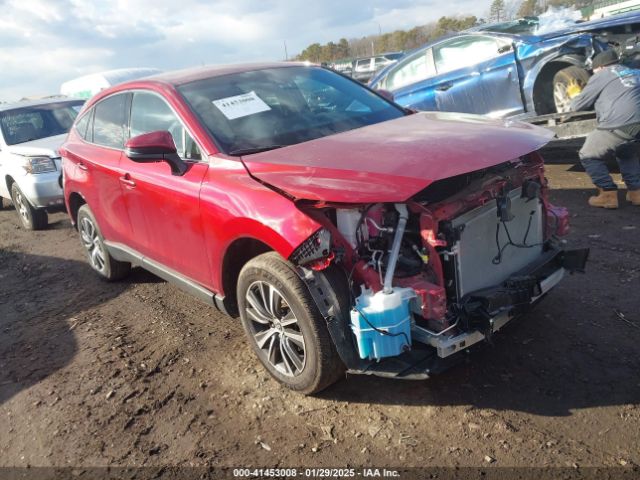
139, 374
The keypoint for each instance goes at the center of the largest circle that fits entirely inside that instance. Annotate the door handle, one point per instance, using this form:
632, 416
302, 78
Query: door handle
444, 87
126, 180
82, 166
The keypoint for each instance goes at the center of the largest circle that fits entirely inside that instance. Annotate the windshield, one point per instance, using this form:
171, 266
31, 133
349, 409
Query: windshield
265, 109
39, 121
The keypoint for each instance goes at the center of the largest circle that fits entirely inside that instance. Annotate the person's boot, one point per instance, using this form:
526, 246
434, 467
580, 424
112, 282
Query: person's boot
605, 199
633, 196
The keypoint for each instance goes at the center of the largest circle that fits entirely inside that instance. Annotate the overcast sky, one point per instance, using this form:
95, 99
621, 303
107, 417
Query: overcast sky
45, 42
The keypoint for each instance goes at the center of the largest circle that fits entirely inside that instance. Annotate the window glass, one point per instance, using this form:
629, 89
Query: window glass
38, 121
64, 117
463, 52
412, 70
109, 121
362, 65
321, 97
83, 123
282, 106
150, 113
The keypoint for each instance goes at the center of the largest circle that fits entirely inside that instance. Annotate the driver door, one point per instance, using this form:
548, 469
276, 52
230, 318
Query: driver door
164, 208
411, 81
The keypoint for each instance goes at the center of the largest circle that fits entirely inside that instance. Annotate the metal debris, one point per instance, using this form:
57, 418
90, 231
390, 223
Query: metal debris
265, 446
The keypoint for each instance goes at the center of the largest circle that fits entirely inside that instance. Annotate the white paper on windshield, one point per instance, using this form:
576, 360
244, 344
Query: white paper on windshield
241, 105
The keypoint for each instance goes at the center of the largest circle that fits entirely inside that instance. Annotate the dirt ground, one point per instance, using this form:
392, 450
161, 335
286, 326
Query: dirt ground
138, 373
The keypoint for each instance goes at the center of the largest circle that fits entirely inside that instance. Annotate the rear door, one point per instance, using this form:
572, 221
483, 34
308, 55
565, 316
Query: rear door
411, 81
476, 74
95, 160
164, 208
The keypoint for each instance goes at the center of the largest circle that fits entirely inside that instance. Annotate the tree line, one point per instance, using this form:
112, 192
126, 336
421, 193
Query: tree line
396, 41
402, 40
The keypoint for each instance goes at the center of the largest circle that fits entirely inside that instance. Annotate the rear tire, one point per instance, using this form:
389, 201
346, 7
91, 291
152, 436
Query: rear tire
93, 242
563, 82
31, 218
284, 327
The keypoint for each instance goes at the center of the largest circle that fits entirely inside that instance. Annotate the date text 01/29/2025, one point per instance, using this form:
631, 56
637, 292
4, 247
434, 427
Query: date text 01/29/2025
316, 472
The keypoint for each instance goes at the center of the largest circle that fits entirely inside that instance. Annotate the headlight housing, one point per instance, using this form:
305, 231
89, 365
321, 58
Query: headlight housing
36, 165
315, 247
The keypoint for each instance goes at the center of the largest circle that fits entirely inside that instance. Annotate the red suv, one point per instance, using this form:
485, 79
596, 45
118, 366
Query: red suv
347, 232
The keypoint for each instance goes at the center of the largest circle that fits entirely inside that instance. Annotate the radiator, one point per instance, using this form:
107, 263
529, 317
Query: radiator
477, 248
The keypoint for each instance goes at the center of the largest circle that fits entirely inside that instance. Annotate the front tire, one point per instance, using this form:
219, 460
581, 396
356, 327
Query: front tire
284, 327
30, 217
93, 242
566, 83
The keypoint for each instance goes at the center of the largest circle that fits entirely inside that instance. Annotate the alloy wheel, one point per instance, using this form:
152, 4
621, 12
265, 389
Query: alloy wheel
23, 208
93, 244
561, 97
275, 328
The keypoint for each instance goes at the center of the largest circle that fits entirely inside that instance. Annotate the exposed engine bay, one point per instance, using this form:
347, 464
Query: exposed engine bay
450, 266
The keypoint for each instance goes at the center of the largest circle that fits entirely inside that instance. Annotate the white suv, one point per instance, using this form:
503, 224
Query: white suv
30, 167
365, 68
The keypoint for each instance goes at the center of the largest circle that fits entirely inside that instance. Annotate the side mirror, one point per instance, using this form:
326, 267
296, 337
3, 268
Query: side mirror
386, 94
155, 147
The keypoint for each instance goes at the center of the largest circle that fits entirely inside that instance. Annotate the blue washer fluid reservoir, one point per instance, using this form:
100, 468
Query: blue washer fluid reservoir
386, 312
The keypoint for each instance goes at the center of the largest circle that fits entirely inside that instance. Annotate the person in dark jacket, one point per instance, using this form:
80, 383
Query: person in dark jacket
614, 91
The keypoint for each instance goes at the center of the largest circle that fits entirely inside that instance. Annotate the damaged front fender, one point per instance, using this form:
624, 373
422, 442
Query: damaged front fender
330, 291
534, 57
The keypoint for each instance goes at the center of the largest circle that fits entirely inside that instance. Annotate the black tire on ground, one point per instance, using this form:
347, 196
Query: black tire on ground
92, 240
562, 80
298, 352
31, 218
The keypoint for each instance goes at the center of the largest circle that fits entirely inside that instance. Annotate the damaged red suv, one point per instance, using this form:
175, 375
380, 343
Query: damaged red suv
348, 233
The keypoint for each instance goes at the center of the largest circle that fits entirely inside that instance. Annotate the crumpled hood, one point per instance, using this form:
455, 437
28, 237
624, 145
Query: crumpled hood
394, 160
597, 25
47, 147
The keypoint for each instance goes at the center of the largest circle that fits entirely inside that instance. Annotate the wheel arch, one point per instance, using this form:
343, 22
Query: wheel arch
8, 181
237, 254
75, 201
247, 235
542, 92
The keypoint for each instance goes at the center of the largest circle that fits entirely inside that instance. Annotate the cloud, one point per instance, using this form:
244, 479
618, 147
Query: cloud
44, 43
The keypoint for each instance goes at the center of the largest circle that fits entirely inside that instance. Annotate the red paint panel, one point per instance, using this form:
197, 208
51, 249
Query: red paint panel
234, 206
391, 161
94, 172
162, 140
165, 216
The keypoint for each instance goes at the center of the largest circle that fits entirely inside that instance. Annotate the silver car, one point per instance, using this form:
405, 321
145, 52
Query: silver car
30, 166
